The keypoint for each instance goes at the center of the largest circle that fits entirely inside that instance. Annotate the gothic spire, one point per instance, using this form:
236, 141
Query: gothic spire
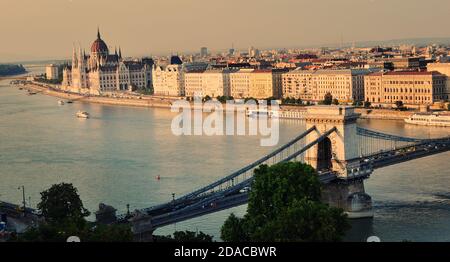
98, 33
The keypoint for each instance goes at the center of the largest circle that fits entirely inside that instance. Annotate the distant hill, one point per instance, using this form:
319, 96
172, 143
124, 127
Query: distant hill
407, 41
9, 69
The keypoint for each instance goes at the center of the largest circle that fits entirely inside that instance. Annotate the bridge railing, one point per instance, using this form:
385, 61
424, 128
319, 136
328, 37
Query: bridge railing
374, 142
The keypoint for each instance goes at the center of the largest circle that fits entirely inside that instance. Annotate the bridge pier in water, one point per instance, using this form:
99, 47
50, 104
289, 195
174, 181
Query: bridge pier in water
339, 152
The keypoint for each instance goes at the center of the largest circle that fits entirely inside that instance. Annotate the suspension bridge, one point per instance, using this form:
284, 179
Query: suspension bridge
343, 154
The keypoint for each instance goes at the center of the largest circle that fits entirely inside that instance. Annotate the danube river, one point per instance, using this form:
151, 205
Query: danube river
115, 157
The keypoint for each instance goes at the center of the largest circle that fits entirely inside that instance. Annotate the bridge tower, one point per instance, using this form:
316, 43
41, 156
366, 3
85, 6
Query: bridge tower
339, 152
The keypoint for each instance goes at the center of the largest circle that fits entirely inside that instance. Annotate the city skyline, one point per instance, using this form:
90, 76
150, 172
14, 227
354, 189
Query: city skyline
156, 28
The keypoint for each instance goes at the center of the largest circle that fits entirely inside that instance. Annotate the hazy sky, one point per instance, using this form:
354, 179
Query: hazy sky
48, 28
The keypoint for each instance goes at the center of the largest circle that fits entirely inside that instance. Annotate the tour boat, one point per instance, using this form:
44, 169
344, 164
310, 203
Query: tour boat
429, 120
69, 101
82, 114
262, 112
60, 102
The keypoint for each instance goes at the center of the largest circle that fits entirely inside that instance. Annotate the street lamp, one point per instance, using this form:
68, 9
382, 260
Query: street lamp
23, 199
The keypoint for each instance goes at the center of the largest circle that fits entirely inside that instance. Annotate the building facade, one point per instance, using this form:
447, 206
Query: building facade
412, 88
240, 83
52, 72
443, 68
212, 83
193, 84
345, 85
102, 72
298, 84
168, 80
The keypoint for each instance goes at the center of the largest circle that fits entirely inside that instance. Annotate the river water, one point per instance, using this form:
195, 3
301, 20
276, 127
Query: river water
115, 156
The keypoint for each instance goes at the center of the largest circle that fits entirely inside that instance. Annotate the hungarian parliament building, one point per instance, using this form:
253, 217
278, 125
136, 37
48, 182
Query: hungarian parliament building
102, 72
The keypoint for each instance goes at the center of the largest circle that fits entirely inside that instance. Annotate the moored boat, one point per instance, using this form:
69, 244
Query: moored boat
424, 119
262, 112
82, 114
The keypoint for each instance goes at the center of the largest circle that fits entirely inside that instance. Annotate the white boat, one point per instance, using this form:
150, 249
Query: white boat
424, 119
60, 102
82, 114
262, 112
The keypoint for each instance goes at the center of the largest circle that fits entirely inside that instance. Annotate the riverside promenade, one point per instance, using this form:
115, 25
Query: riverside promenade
292, 112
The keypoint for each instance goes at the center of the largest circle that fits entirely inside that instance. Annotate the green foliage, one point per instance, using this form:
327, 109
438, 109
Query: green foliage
292, 101
206, 98
234, 230
335, 102
399, 104
367, 104
64, 216
251, 99
304, 220
275, 187
185, 236
224, 99
61, 203
109, 233
88, 232
327, 99
285, 205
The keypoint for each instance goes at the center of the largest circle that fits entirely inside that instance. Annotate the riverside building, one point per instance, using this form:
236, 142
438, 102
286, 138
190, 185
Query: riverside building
443, 68
168, 80
412, 88
345, 85
101, 72
212, 83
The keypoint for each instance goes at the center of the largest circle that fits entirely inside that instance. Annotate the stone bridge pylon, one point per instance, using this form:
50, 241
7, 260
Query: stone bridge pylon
339, 152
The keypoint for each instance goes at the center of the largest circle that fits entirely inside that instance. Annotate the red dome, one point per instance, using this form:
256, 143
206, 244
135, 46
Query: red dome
99, 46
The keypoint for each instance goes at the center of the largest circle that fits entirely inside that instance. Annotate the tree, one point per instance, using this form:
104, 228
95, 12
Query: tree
185, 236
335, 102
206, 98
64, 216
234, 230
327, 99
399, 104
61, 203
109, 233
367, 104
285, 205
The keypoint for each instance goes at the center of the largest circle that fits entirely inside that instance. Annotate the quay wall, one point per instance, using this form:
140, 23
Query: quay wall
290, 112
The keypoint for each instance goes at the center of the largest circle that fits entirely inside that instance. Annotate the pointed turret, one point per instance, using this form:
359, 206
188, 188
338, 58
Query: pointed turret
98, 33
120, 52
74, 57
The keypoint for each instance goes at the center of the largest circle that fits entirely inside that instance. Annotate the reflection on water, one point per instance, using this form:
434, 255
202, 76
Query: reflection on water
115, 156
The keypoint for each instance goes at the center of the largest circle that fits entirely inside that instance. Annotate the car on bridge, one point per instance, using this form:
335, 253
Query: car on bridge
245, 190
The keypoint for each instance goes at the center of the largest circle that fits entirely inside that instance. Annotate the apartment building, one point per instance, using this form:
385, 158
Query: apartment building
297, 84
443, 68
240, 83
412, 88
212, 83
345, 85
168, 80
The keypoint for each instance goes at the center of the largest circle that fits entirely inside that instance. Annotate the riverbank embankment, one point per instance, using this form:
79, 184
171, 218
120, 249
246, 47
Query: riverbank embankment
297, 112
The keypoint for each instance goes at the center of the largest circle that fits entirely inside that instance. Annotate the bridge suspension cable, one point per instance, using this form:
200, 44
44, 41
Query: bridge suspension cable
242, 176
